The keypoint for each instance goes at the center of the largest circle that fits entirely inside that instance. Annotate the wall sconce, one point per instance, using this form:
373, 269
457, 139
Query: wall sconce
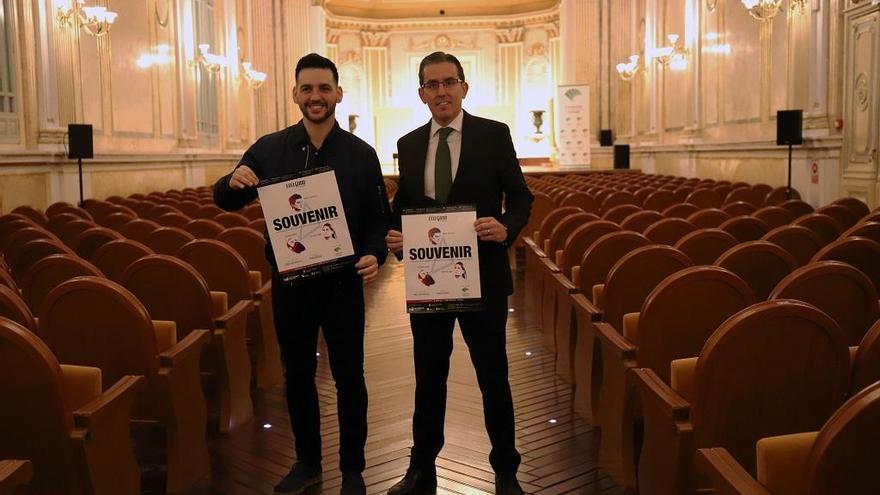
254, 78
798, 7
210, 61
763, 10
96, 20
161, 55
628, 70
673, 56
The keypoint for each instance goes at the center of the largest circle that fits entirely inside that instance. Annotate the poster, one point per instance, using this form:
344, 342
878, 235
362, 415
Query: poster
306, 224
441, 263
573, 125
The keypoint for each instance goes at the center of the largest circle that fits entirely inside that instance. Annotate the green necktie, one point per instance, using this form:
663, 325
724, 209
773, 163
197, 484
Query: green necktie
442, 167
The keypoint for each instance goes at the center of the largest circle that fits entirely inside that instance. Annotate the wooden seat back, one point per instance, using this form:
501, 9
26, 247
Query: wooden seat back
774, 216
841, 214
841, 291
704, 246
563, 229
12, 306
603, 254
203, 228
91, 321
738, 208
680, 210
774, 368
139, 229
33, 251
223, 269
634, 276
709, 218
173, 220
745, 228
669, 230
866, 364
680, 314
167, 240
801, 242
550, 221
860, 252
580, 200
856, 206
659, 200
780, 195
870, 230
114, 257
641, 220
796, 207
230, 220
580, 239
72, 230
761, 264
92, 239
745, 194
250, 246
616, 199
48, 273
704, 198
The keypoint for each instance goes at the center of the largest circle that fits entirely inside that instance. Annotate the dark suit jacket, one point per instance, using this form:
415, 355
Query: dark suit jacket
488, 174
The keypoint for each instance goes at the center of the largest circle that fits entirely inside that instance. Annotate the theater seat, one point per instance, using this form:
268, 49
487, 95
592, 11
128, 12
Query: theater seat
91, 321
839, 458
14, 473
750, 381
73, 428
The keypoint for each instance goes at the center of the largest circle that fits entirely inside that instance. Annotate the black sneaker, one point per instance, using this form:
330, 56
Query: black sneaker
506, 484
301, 477
353, 484
416, 482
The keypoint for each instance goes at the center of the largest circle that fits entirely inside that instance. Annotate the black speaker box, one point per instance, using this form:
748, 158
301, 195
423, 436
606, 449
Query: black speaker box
80, 141
789, 127
605, 138
621, 156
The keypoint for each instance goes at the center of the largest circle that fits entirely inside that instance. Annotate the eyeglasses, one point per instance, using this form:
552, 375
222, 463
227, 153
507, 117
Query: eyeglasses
446, 83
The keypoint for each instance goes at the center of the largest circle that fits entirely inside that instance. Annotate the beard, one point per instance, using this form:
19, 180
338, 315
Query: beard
329, 111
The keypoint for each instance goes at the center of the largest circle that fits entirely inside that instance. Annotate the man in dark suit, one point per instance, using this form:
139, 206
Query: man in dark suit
458, 158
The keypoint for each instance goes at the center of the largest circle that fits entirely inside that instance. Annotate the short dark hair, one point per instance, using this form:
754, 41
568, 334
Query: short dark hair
439, 58
315, 61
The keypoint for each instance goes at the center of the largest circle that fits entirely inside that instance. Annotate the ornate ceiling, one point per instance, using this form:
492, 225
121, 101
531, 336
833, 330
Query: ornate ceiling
408, 9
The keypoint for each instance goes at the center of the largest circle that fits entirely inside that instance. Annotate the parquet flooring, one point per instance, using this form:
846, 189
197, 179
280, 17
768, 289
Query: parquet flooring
559, 450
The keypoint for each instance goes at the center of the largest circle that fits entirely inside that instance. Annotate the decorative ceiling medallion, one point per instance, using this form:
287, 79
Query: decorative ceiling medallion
862, 91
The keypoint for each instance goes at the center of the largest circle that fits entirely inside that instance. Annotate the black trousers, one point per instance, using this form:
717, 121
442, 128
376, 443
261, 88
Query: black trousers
485, 335
336, 305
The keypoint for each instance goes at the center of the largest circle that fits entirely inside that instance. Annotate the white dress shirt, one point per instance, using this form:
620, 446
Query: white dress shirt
454, 142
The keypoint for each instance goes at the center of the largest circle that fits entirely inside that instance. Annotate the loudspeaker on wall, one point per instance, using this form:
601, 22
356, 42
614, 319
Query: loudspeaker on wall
80, 141
621, 156
789, 127
605, 138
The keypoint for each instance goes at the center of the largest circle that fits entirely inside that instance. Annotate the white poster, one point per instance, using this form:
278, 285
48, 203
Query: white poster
573, 125
441, 264
306, 224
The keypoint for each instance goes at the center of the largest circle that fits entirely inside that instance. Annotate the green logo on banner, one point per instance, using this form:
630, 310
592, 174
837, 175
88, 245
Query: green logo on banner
571, 93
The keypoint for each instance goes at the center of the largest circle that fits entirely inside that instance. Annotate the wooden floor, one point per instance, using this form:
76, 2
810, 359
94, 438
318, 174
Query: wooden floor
559, 450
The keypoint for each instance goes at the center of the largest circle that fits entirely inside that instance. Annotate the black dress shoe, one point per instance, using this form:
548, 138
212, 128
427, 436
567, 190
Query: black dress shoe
353, 484
301, 477
417, 481
506, 484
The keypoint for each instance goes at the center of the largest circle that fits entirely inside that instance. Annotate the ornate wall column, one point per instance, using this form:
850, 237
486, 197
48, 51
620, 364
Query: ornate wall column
555, 78
333, 45
375, 49
510, 64
578, 32
297, 43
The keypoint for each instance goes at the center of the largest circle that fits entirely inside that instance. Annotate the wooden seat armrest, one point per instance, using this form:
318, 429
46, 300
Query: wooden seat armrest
548, 264
782, 461
529, 241
264, 293
576, 276
655, 393
240, 310
599, 295
188, 348
558, 257
14, 473
582, 304
609, 335
166, 334
566, 284
727, 476
115, 400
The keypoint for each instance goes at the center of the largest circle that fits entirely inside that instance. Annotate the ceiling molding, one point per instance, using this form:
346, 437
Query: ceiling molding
357, 24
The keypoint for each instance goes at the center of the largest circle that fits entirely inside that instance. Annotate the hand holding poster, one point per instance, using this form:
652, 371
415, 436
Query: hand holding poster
306, 224
441, 264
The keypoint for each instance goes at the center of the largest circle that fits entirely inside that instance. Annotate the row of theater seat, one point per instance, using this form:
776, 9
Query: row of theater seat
628, 301
146, 332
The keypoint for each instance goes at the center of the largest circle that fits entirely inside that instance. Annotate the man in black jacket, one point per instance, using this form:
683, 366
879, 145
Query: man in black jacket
458, 158
333, 302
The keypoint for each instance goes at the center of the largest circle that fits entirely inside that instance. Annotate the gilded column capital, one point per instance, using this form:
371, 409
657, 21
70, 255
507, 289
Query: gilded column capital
510, 35
552, 29
333, 36
374, 39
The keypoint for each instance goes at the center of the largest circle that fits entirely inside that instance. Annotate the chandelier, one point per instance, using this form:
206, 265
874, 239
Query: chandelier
627, 71
254, 78
763, 10
95, 20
